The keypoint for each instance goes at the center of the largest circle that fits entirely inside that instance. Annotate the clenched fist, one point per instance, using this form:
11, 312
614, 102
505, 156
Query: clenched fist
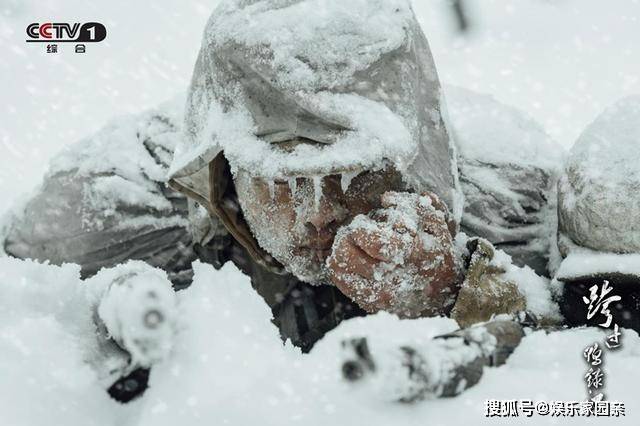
398, 259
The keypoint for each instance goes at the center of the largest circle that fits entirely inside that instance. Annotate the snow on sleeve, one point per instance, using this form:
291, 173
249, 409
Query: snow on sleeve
508, 168
489, 131
106, 192
125, 163
228, 360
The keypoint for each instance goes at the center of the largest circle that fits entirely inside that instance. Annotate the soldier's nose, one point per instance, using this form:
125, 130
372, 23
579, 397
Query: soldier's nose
328, 215
319, 222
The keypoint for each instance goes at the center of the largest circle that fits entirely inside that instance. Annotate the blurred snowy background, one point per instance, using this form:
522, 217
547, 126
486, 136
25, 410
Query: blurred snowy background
562, 61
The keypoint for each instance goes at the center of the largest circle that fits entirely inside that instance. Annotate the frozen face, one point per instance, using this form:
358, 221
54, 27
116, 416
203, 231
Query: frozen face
296, 220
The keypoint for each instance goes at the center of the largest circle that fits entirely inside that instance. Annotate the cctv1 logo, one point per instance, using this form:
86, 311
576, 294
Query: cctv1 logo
61, 32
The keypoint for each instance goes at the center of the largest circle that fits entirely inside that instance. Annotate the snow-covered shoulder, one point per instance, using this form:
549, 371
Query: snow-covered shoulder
489, 131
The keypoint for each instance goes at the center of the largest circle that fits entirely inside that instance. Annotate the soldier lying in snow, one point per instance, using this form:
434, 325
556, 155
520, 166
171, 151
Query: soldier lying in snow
326, 174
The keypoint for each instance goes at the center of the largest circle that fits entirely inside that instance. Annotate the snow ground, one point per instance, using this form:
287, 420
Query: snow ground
228, 365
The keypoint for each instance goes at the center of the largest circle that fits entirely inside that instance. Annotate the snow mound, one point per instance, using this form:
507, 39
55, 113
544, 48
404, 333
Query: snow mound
598, 191
127, 159
229, 366
130, 146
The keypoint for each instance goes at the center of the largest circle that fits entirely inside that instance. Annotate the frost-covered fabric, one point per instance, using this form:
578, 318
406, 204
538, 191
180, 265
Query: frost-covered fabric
104, 200
508, 169
357, 78
598, 193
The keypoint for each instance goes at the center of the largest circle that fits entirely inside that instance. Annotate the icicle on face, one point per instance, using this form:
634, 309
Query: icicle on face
293, 186
272, 189
345, 180
317, 192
